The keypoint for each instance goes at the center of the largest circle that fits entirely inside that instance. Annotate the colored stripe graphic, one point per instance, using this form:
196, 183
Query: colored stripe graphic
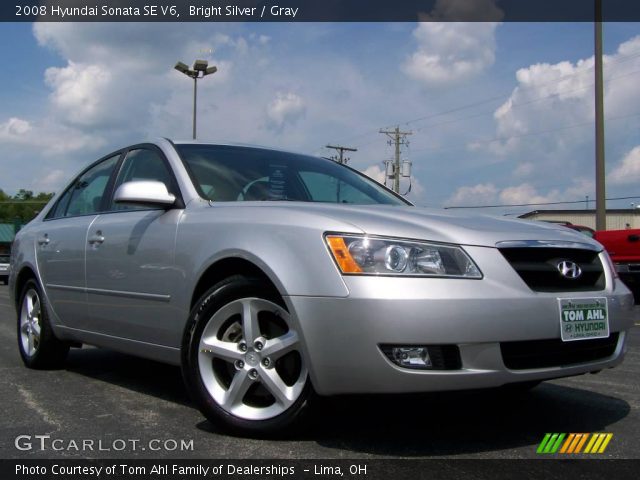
568, 442
551, 443
599, 443
573, 443
556, 445
603, 447
582, 442
594, 437
543, 443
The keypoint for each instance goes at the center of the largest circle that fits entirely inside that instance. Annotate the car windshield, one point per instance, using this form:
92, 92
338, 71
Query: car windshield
4, 259
233, 174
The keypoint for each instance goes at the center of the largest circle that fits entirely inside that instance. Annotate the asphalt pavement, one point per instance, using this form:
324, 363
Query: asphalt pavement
104, 404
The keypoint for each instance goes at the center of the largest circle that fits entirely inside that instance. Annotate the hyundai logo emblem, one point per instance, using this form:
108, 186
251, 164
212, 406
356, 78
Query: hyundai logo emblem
569, 269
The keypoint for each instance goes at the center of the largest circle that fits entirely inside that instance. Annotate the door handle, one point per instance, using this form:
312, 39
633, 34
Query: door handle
96, 239
44, 240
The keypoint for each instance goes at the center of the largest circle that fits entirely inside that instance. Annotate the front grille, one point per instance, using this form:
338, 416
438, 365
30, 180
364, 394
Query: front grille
556, 353
538, 267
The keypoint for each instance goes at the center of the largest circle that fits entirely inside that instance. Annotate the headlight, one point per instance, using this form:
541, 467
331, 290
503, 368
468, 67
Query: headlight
388, 256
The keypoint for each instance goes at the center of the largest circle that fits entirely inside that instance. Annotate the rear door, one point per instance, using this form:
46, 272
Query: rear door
60, 243
131, 272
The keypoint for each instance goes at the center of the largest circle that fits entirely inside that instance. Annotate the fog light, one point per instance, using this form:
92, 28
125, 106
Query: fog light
411, 357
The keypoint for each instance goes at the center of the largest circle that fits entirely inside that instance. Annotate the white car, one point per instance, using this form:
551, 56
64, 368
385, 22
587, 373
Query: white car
4, 269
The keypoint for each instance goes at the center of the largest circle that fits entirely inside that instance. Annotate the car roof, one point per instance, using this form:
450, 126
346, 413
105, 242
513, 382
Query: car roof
243, 145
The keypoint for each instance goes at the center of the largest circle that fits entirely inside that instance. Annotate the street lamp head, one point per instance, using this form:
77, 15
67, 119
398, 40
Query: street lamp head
200, 65
211, 70
181, 67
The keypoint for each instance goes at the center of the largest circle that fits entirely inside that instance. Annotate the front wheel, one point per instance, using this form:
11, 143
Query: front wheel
242, 358
38, 345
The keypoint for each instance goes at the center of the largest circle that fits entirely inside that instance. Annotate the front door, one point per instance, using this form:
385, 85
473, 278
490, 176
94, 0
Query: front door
131, 274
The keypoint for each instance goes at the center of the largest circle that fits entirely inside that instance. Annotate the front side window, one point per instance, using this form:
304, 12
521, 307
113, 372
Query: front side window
231, 174
143, 164
87, 191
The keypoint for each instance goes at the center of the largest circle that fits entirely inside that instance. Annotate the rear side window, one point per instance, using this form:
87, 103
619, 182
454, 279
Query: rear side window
61, 207
87, 191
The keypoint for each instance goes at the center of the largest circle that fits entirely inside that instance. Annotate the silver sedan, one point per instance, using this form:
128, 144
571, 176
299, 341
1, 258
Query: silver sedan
271, 277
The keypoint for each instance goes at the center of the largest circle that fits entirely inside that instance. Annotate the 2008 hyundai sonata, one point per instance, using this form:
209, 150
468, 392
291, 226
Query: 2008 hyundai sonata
271, 276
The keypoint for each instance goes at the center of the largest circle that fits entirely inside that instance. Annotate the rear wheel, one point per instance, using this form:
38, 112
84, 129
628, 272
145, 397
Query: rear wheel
242, 358
39, 347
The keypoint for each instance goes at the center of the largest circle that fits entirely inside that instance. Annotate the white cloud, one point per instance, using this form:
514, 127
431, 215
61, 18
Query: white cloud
558, 100
480, 194
51, 181
80, 92
286, 108
524, 169
488, 194
526, 193
628, 170
375, 172
48, 138
451, 52
14, 128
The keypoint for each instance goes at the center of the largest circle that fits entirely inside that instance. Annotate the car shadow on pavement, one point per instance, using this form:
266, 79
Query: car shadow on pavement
458, 423
133, 373
418, 425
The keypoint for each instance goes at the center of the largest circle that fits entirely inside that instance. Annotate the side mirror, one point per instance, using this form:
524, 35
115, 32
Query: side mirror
147, 192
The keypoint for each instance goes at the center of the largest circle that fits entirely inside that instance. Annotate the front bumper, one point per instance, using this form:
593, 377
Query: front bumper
342, 336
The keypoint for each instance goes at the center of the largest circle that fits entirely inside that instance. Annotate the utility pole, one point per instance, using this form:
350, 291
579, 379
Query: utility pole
601, 208
397, 138
340, 149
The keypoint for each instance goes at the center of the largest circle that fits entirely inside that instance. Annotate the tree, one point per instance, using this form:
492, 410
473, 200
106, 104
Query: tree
23, 206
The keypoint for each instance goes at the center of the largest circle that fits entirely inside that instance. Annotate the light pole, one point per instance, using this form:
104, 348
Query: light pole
200, 69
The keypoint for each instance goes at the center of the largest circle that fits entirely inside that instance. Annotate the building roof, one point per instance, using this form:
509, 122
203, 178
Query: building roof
7, 232
591, 211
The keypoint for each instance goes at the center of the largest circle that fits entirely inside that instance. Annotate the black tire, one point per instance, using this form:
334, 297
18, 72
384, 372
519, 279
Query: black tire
48, 352
229, 294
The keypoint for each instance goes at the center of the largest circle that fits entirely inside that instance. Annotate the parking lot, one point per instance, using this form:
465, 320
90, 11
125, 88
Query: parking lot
115, 399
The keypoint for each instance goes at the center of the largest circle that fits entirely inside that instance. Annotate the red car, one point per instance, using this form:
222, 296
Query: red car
623, 247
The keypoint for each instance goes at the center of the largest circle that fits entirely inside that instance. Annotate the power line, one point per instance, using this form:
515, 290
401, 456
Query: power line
626, 58
528, 102
531, 134
558, 80
533, 204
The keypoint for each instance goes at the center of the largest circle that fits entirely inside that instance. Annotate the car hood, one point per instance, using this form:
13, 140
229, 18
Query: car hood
433, 224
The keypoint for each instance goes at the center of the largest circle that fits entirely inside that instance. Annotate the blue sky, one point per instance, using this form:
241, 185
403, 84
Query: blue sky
520, 97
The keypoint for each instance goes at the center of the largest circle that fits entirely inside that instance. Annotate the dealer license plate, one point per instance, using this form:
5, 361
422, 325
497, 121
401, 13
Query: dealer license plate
583, 318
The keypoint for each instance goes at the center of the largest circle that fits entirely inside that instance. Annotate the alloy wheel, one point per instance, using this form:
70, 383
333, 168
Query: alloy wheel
250, 360
30, 322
